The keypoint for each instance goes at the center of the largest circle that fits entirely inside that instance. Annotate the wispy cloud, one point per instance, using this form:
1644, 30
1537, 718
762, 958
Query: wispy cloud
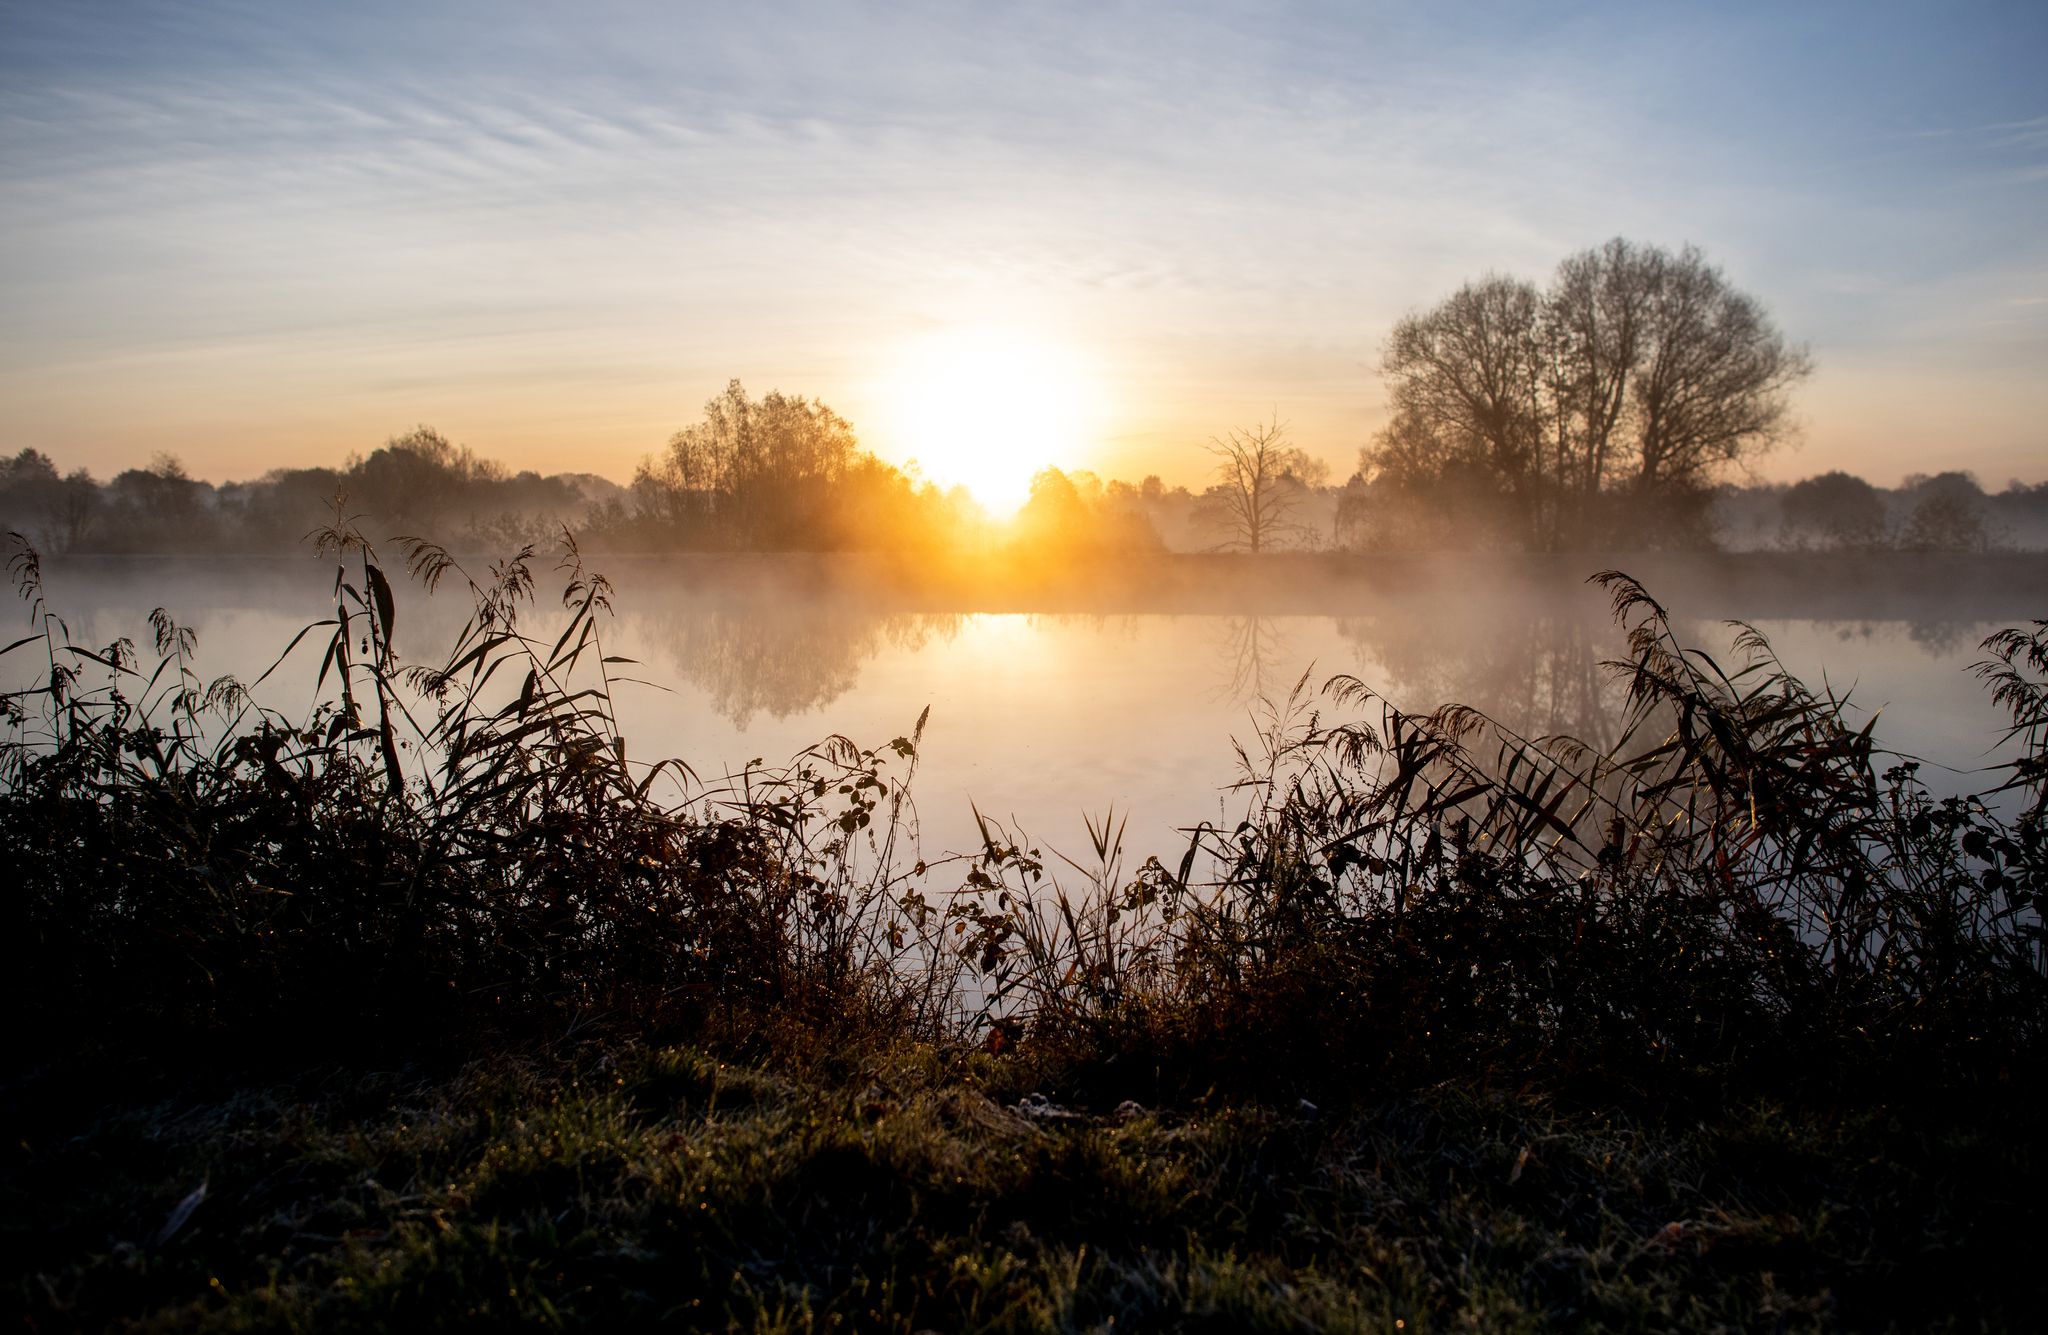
697, 193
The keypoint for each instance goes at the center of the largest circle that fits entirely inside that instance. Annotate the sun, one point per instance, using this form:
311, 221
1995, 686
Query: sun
987, 407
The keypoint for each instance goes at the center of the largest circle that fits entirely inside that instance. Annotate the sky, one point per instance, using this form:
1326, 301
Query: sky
264, 234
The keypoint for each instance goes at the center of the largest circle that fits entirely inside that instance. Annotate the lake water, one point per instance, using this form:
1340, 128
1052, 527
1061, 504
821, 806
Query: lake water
1129, 696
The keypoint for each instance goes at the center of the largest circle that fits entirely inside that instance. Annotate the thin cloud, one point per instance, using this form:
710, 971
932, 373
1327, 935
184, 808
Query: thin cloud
776, 185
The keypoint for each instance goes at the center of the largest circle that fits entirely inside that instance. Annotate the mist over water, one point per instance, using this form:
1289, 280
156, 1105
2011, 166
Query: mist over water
1136, 698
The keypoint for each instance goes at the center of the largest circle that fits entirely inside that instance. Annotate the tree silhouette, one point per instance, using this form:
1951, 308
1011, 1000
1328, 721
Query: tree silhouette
754, 473
1836, 509
1612, 397
1260, 483
1947, 514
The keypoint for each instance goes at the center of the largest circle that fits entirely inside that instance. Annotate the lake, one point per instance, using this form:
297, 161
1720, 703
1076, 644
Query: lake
1061, 697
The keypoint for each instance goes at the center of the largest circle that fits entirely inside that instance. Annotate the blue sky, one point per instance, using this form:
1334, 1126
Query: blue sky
256, 234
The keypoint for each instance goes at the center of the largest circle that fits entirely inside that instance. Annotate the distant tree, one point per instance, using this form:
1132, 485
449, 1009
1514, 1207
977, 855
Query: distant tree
1947, 515
753, 473
54, 511
277, 510
1837, 509
1075, 514
1260, 482
1352, 529
780, 473
26, 482
1174, 514
163, 492
421, 482
161, 508
1055, 514
31, 467
2023, 511
1639, 373
71, 517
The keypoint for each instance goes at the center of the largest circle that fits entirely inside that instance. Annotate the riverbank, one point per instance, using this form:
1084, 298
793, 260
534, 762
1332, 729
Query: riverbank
449, 1016
1716, 585
1750, 585
774, 1181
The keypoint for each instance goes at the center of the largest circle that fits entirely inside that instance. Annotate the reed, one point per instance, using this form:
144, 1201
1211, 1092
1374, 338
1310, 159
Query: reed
437, 1008
1743, 881
438, 845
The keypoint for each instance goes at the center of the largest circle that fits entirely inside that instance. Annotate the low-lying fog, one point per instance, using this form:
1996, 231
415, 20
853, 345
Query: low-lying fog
1061, 700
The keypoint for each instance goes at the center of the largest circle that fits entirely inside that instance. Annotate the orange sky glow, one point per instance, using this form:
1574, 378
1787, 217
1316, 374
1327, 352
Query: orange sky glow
255, 238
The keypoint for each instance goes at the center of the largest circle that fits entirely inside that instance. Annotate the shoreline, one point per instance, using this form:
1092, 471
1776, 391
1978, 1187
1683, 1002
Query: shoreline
1709, 585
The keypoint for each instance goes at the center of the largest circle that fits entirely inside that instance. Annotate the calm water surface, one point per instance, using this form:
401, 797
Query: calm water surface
1039, 718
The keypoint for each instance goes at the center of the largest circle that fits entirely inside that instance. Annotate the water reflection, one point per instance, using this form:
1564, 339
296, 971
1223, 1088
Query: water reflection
1537, 675
1945, 638
779, 660
1253, 654
1043, 714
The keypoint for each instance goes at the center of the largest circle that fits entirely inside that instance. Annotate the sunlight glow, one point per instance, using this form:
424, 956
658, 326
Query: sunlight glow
987, 407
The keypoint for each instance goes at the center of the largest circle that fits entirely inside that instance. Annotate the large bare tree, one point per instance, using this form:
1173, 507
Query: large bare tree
1468, 382
1638, 371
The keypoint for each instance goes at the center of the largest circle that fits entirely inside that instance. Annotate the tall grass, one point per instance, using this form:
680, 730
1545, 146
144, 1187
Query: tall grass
436, 844
1743, 880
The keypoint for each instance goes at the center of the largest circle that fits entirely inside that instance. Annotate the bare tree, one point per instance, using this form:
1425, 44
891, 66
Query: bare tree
1699, 375
1468, 379
1261, 481
1638, 371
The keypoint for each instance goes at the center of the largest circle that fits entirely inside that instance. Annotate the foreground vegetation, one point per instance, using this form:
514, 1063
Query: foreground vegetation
437, 1007
875, 1187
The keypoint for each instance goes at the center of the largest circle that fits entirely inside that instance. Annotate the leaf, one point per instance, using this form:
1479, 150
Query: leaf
180, 1215
333, 647
97, 658
303, 632
380, 588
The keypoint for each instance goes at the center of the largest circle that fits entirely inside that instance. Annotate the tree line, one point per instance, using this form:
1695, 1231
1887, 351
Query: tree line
775, 473
1608, 409
1275, 500
416, 483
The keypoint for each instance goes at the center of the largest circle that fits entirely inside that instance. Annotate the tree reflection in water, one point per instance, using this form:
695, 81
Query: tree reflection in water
1540, 675
1252, 649
783, 659
1943, 638
1535, 666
